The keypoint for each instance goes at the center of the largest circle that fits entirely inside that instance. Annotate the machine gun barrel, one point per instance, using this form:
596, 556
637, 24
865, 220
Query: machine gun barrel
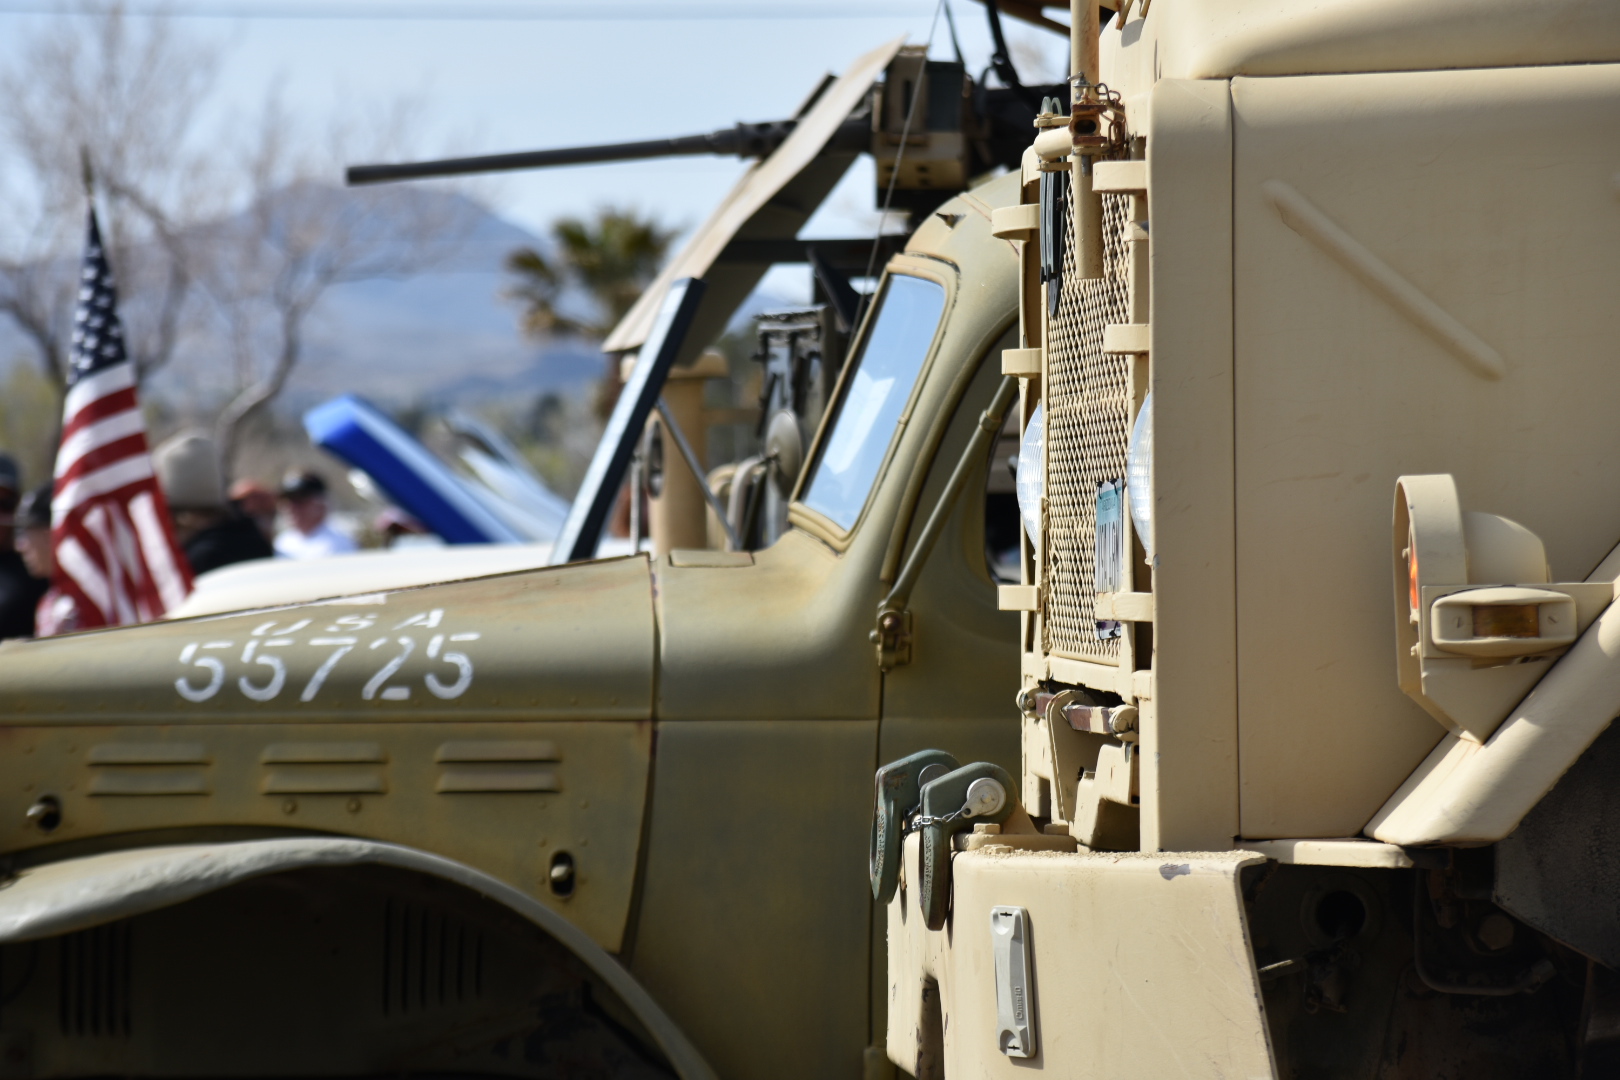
742, 140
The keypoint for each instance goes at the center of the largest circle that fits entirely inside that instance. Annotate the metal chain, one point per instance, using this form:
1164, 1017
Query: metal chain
922, 821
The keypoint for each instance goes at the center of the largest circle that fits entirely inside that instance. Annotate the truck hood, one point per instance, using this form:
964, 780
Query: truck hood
564, 643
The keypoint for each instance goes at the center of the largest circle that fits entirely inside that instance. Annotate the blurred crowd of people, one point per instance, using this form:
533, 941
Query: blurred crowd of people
214, 526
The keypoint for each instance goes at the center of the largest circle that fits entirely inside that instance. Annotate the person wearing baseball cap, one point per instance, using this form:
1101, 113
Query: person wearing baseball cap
19, 590
57, 612
257, 503
311, 536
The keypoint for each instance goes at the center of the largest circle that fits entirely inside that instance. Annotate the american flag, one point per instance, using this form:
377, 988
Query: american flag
116, 555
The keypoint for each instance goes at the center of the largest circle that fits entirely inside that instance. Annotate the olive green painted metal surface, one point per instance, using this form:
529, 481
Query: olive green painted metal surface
753, 928
432, 717
570, 643
515, 794
62, 897
698, 738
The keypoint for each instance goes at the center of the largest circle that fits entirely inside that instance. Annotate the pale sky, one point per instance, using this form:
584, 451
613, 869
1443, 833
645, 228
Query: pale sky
572, 73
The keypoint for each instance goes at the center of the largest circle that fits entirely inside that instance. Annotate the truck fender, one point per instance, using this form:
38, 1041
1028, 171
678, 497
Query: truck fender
76, 894
1469, 792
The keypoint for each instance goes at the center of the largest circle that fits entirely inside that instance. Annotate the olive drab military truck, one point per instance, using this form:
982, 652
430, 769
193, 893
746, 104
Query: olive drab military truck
600, 819
1322, 494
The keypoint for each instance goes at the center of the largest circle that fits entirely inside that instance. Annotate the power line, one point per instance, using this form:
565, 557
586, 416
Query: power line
497, 12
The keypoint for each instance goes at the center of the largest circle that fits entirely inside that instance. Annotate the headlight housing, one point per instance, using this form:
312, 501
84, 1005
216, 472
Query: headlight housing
1139, 476
1029, 481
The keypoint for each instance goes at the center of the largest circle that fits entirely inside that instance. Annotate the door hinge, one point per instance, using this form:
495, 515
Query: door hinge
892, 637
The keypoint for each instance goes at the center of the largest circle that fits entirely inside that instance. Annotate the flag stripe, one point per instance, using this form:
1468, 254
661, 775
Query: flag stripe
91, 436
97, 525
125, 449
122, 401
92, 388
171, 584
83, 571
101, 482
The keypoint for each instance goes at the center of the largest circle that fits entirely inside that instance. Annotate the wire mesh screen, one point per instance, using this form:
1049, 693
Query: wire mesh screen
1087, 407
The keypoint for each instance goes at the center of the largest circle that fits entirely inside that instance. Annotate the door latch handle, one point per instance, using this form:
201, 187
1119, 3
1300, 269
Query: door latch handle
897, 793
974, 794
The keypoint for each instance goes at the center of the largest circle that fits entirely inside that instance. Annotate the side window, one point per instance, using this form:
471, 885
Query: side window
1003, 527
874, 395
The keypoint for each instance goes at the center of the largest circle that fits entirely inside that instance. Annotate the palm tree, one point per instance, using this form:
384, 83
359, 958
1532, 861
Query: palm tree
611, 258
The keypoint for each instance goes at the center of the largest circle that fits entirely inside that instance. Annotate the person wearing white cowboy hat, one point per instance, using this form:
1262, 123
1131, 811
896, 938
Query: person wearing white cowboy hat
208, 528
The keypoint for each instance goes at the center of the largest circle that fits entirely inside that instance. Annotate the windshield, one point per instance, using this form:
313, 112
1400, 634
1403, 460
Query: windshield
874, 396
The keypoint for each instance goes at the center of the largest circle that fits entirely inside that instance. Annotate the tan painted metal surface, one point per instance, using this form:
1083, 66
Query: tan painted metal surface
1331, 283
1142, 961
1329, 373
1468, 792
1190, 718
1360, 284
1212, 39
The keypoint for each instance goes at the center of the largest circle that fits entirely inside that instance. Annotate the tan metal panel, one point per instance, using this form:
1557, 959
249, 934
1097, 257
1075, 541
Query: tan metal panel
1468, 792
1208, 39
1189, 735
1341, 389
1142, 966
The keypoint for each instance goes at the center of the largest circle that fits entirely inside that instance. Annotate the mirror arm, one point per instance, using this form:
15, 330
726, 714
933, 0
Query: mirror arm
691, 459
892, 635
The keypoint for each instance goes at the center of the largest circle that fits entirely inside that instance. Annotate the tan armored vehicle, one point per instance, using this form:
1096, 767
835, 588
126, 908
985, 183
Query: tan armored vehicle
600, 819
1315, 298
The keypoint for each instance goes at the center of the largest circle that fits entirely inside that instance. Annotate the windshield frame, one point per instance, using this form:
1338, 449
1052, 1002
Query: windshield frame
811, 520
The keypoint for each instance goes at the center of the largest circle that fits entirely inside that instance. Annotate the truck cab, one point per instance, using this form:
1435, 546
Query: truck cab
596, 819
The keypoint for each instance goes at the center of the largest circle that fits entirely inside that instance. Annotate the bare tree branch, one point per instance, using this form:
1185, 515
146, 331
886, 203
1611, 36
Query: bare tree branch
237, 247
300, 237
127, 91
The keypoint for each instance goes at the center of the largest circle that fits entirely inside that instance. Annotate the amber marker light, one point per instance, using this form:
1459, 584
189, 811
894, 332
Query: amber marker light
1507, 620
1412, 578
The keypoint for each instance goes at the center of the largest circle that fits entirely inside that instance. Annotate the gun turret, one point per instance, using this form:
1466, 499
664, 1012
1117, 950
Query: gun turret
745, 140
